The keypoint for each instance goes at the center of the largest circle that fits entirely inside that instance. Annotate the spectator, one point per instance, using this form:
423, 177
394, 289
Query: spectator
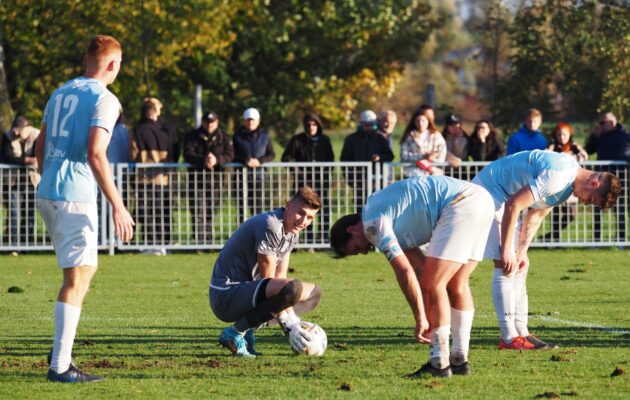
252, 148
118, 148
563, 143
457, 141
207, 149
365, 144
18, 148
528, 137
386, 126
310, 146
485, 144
611, 143
157, 143
422, 141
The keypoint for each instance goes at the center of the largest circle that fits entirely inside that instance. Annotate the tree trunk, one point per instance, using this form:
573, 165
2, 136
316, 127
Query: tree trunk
6, 113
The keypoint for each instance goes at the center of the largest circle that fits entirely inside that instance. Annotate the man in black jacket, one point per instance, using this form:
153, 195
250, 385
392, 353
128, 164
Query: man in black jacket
252, 148
366, 144
207, 149
612, 143
310, 146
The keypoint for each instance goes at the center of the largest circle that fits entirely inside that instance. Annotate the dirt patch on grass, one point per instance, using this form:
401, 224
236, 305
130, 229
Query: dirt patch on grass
547, 395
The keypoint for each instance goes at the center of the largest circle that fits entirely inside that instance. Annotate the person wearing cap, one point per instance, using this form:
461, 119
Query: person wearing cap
312, 145
19, 186
156, 143
365, 144
252, 148
529, 136
206, 149
457, 142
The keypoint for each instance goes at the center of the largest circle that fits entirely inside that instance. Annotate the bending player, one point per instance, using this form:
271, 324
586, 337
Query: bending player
533, 180
454, 217
249, 283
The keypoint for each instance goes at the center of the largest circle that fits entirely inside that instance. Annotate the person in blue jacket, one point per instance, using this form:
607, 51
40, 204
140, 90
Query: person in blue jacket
528, 137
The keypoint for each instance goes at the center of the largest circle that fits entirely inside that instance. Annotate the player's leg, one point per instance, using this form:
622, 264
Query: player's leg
76, 282
435, 277
73, 229
462, 314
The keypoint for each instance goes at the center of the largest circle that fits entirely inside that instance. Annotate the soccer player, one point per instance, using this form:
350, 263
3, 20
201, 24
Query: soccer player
249, 283
71, 152
535, 181
454, 217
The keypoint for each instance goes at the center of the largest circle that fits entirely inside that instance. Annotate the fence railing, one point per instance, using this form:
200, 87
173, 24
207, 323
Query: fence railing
176, 207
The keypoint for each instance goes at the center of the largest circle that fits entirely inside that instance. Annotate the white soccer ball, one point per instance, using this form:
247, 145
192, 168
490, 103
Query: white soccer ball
318, 343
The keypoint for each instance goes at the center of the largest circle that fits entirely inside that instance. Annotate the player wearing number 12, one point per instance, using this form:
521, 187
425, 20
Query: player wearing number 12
72, 152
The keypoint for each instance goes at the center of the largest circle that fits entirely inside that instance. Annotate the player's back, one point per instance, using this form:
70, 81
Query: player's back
71, 111
506, 176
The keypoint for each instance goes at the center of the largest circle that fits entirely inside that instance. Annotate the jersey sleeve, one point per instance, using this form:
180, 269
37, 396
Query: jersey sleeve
380, 232
106, 112
267, 239
548, 184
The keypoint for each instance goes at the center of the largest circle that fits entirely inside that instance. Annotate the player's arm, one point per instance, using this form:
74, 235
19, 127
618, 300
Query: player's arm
97, 158
267, 266
40, 146
283, 267
410, 286
532, 222
513, 207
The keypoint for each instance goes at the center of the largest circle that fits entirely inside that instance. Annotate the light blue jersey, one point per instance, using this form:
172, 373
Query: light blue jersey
403, 215
549, 175
71, 111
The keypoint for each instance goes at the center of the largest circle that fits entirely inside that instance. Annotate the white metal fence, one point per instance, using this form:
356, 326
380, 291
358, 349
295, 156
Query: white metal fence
176, 207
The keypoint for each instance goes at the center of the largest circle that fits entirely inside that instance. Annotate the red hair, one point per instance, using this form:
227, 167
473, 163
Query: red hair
101, 46
566, 148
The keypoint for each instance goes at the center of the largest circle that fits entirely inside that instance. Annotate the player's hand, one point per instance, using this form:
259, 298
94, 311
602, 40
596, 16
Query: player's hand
298, 337
510, 264
422, 331
123, 222
523, 261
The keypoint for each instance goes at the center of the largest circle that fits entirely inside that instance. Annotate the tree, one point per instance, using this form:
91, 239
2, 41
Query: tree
282, 56
570, 59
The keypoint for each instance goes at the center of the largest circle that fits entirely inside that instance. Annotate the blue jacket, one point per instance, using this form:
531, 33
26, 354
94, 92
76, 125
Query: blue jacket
524, 139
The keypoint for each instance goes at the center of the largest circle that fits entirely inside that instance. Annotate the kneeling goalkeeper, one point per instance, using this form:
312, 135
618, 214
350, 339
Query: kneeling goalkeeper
249, 283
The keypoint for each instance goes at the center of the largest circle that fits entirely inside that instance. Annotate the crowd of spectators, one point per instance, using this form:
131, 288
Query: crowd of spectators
208, 148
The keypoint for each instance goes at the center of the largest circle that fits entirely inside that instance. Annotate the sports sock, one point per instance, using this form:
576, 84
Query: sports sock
237, 330
267, 310
521, 303
66, 322
503, 300
438, 349
461, 325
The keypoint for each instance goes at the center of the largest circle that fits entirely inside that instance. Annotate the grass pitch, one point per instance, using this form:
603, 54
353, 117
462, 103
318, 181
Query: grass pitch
147, 327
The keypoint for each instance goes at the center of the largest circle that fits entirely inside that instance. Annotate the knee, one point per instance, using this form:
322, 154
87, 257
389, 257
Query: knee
457, 288
316, 295
291, 292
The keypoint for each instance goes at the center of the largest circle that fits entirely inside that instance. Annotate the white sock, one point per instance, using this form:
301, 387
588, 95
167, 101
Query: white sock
287, 318
438, 350
461, 325
66, 322
504, 304
521, 303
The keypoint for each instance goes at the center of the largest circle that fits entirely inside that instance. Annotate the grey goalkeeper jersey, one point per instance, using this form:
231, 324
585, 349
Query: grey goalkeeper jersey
238, 261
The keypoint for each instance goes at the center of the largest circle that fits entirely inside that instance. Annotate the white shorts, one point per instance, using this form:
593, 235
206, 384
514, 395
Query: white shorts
73, 229
462, 229
493, 247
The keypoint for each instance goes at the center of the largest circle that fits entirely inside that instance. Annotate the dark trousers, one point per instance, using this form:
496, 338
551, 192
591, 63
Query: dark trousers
204, 200
154, 213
